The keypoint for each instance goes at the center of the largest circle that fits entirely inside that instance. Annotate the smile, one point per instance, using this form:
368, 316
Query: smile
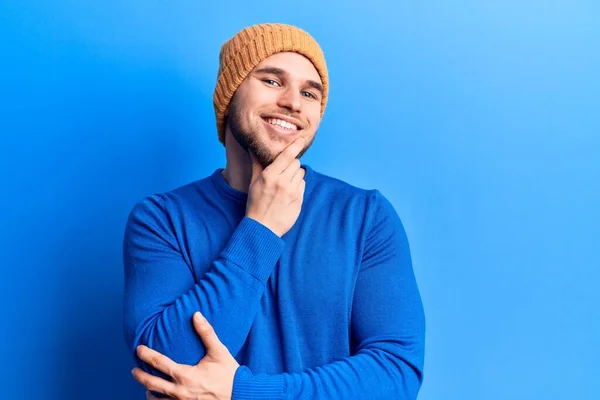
281, 123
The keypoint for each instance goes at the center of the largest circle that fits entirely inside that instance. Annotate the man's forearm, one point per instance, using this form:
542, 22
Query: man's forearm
373, 373
157, 314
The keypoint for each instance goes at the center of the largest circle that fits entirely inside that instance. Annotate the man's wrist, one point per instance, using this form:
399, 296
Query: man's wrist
247, 386
254, 248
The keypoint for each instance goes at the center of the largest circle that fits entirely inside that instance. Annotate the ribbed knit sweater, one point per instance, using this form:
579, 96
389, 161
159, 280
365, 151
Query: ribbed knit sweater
331, 310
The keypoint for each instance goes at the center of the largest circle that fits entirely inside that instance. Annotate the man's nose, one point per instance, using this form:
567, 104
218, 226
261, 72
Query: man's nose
290, 99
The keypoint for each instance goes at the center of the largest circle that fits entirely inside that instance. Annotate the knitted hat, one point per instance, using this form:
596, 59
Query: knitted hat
244, 51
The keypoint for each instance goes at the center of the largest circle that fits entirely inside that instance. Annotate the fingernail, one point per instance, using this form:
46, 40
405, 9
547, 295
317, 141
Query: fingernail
199, 317
132, 371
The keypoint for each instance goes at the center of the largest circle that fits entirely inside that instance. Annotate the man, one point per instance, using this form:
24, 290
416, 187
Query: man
301, 285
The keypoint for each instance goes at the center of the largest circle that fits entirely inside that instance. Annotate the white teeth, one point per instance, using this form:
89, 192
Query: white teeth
282, 123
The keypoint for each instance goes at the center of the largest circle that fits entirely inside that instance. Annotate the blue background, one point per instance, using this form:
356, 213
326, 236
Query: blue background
479, 120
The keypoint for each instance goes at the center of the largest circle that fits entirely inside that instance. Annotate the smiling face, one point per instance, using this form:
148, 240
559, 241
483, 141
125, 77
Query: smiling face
279, 101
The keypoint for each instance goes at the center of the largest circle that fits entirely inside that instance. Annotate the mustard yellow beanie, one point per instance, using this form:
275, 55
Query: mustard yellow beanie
244, 51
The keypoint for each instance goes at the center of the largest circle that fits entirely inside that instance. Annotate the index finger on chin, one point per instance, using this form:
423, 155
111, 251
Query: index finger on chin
289, 154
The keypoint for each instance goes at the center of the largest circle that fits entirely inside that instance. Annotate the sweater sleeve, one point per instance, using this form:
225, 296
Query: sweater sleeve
161, 293
387, 328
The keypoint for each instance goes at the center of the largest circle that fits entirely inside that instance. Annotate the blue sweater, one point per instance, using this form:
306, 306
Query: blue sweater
329, 311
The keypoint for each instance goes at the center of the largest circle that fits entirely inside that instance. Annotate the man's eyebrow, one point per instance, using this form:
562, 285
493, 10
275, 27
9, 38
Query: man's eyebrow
316, 85
281, 72
271, 70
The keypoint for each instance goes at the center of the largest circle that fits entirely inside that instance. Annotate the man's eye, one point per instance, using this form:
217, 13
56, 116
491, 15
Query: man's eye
270, 82
309, 95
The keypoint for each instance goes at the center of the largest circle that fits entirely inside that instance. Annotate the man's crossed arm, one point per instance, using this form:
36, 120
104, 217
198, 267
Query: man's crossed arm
387, 321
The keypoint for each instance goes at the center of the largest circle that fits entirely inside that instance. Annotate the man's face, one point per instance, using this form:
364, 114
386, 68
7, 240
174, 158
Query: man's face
279, 101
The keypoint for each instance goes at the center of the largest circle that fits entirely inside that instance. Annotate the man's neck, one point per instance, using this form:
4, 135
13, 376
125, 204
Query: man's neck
239, 181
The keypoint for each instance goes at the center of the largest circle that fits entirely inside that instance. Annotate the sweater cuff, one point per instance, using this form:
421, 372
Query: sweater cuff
254, 248
247, 386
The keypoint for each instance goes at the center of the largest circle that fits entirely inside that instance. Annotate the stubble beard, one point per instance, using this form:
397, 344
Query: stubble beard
249, 139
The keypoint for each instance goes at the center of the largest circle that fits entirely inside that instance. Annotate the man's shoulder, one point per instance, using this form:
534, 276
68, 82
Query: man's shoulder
339, 193
179, 197
334, 186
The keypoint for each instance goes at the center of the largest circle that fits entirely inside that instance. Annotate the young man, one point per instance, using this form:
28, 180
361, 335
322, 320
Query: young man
303, 283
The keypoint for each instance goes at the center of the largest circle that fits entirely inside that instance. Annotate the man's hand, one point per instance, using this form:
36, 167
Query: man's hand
276, 193
211, 378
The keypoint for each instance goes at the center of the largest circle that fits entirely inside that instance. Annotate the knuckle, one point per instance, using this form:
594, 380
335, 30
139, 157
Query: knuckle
281, 185
191, 395
156, 361
151, 386
267, 174
207, 329
188, 396
178, 374
184, 378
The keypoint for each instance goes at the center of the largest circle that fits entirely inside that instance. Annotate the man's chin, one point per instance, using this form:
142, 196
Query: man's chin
264, 158
265, 150
270, 149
